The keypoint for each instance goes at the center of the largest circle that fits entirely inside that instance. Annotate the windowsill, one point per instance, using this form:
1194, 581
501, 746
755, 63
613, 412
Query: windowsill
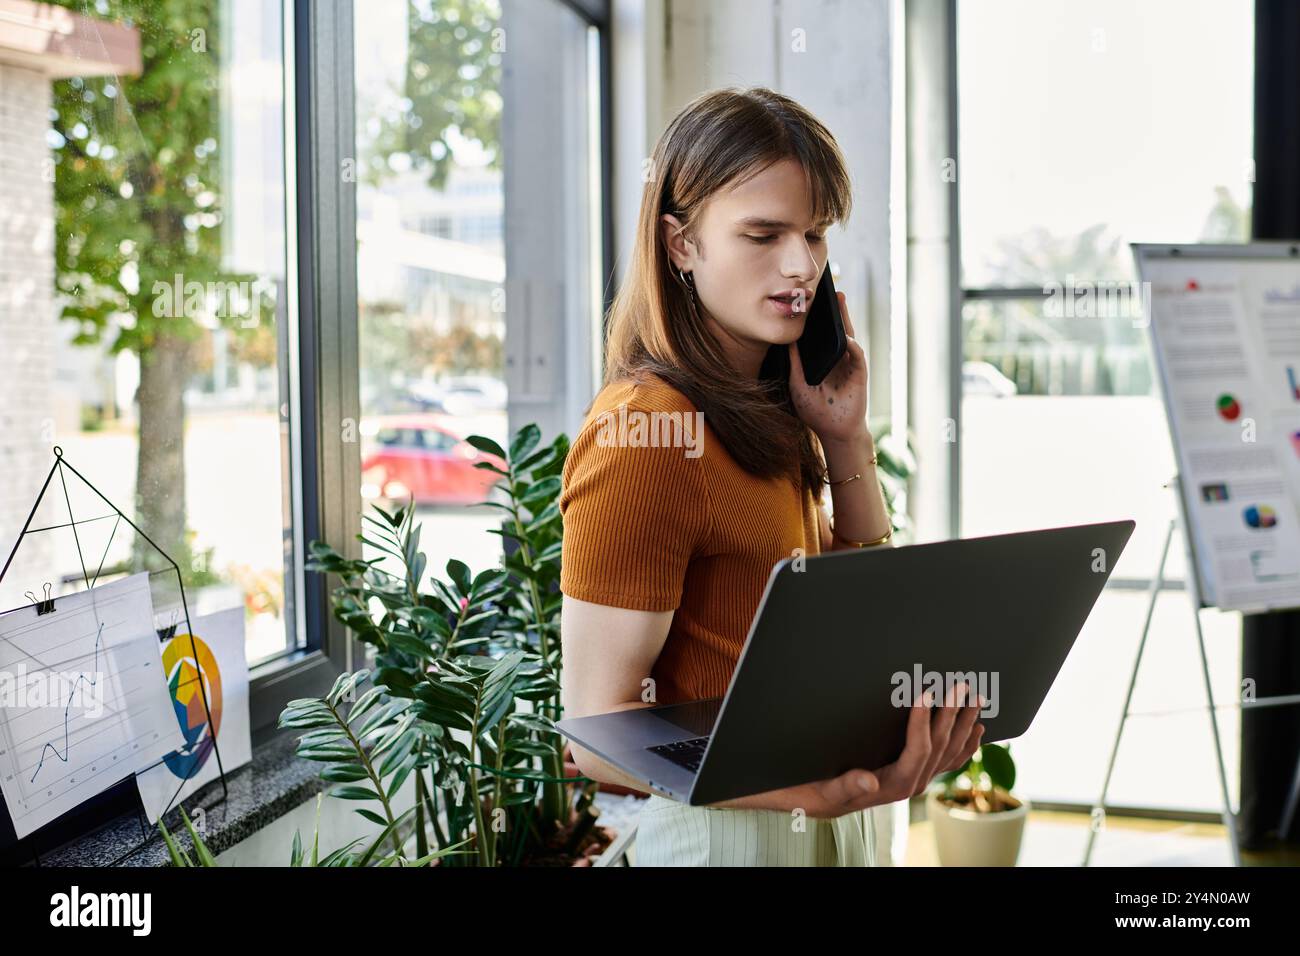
272, 784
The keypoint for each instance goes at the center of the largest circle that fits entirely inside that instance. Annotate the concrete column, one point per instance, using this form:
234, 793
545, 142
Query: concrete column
552, 311
934, 329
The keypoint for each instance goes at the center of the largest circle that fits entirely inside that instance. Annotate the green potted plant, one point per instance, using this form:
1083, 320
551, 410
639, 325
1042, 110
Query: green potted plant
976, 819
464, 692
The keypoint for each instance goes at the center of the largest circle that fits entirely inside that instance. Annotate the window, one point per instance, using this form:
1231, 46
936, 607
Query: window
180, 286
1084, 127
162, 353
429, 106
434, 235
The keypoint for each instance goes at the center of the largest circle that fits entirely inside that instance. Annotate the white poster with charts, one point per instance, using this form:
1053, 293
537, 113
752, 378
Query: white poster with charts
83, 700
1225, 332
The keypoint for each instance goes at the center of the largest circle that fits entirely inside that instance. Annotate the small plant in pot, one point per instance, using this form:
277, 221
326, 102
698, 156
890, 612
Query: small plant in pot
464, 688
976, 820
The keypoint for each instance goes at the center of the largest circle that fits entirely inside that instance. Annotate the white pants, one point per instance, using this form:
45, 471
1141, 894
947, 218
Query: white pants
670, 833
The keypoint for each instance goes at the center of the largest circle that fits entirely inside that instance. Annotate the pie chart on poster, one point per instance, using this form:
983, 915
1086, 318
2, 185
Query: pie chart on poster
188, 680
1229, 408
1260, 516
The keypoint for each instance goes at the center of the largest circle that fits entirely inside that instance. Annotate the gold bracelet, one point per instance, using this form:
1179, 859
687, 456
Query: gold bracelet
862, 544
845, 481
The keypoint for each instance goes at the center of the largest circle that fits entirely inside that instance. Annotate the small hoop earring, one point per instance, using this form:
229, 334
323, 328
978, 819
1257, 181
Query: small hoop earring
688, 279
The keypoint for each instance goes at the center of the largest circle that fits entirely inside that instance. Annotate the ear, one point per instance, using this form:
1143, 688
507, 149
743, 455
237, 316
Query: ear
680, 249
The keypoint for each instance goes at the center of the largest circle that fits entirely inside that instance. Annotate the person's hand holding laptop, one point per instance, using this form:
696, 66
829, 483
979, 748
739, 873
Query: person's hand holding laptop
826, 694
937, 741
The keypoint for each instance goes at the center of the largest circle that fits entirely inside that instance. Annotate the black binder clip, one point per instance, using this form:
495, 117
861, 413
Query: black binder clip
45, 606
168, 632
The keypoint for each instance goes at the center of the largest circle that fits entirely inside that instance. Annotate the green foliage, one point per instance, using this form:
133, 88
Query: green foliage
990, 766
453, 79
339, 726
466, 680
179, 856
139, 164
896, 464
138, 174
348, 856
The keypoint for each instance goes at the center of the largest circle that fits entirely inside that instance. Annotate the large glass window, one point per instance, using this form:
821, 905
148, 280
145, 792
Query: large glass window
434, 233
1084, 127
154, 288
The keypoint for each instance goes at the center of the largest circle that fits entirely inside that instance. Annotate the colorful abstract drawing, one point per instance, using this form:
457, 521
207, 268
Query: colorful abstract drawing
188, 680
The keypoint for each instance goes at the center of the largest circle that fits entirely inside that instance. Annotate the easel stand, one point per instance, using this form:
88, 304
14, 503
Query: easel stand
48, 605
1229, 818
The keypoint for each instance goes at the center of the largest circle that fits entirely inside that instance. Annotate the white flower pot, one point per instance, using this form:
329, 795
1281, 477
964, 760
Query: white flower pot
970, 838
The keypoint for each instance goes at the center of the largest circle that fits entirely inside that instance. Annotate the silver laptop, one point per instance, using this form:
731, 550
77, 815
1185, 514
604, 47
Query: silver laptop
843, 642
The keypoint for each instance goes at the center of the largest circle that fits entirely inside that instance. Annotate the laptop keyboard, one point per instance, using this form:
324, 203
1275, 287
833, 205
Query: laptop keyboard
684, 753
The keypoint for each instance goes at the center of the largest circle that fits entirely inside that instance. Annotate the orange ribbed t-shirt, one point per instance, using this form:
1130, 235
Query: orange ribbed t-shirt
659, 516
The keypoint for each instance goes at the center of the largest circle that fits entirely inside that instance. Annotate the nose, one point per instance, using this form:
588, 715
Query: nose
799, 262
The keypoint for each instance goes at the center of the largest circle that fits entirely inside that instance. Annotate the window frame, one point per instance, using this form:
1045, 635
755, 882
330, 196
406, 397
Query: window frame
322, 216
598, 14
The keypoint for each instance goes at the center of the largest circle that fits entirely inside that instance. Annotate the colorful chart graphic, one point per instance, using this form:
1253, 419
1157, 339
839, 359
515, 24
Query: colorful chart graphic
1214, 492
1260, 516
1229, 408
183, 680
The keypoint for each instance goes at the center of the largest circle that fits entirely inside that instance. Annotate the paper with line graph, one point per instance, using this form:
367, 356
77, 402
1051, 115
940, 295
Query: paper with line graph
83, 700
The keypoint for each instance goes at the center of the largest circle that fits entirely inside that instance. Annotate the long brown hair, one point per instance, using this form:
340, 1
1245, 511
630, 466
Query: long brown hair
721, 137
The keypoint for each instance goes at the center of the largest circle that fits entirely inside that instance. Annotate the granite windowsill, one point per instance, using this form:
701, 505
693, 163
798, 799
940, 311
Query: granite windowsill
272, 784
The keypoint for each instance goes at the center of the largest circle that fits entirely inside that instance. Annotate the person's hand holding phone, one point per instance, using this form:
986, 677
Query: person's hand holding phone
836, 409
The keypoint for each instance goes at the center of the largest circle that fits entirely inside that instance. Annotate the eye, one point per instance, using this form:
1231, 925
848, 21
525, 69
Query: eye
760, 239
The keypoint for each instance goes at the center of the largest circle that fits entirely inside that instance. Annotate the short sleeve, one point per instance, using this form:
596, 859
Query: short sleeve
633, 517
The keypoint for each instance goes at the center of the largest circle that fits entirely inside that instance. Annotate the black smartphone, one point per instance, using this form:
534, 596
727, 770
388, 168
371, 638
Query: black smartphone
823, 342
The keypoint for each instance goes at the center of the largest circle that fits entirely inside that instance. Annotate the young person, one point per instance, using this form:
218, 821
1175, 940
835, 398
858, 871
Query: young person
702, 462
